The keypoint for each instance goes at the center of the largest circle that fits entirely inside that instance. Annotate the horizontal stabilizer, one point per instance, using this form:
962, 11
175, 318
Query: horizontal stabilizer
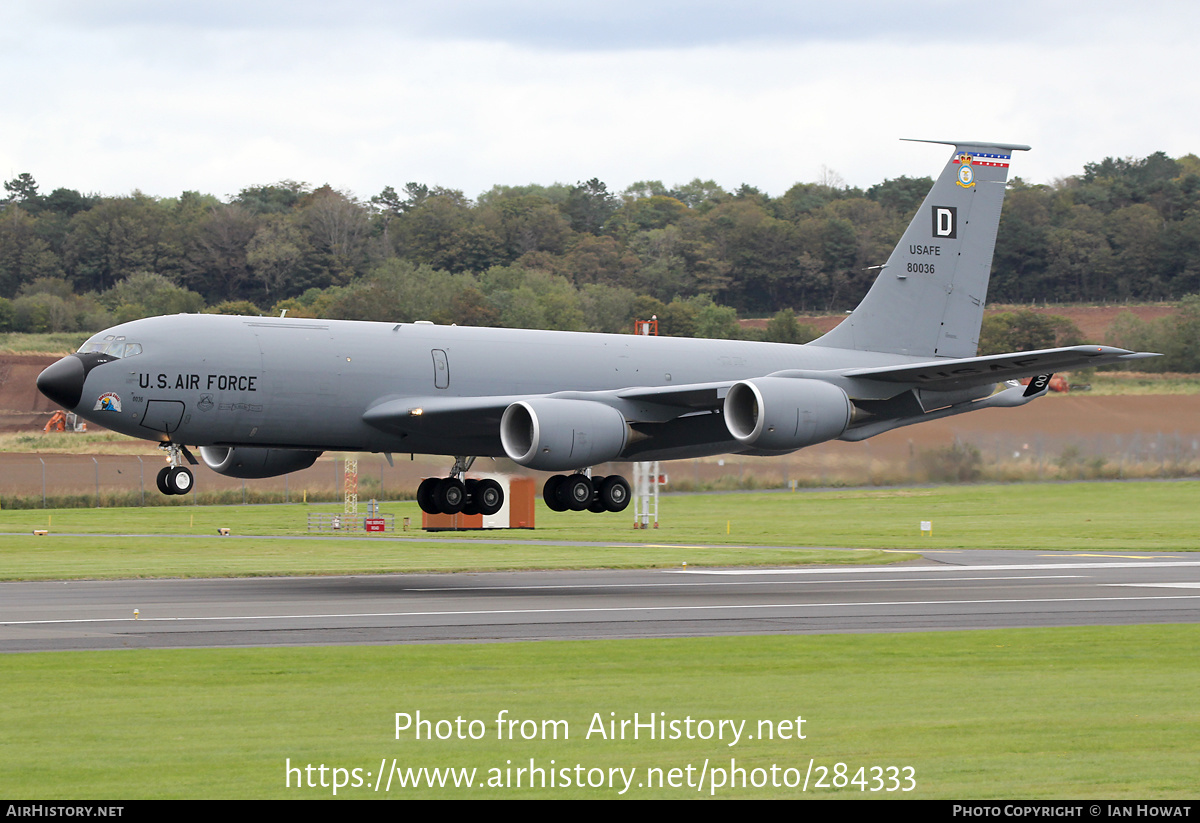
967, 372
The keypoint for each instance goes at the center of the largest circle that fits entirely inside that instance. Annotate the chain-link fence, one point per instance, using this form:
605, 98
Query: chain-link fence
34, 480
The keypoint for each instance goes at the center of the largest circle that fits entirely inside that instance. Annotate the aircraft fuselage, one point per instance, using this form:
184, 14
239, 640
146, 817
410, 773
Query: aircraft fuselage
211, 380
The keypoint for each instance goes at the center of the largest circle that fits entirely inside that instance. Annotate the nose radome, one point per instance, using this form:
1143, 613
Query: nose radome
62, 382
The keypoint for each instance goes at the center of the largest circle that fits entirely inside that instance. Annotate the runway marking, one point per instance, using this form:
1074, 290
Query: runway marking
1128, 557
1159, 585
687, 546
596, 610
942, 569
461, 539
725, 583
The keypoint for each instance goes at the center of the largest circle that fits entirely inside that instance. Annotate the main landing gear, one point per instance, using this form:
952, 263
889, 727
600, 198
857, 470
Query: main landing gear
452, 495
562, 492
577, 492
175, 478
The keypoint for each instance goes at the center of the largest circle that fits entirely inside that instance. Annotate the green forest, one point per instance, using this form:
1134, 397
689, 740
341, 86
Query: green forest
577, 257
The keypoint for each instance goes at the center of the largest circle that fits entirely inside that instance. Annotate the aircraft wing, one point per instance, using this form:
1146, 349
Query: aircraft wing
968, 372
441, 414
681, 399
656, 404
640, 404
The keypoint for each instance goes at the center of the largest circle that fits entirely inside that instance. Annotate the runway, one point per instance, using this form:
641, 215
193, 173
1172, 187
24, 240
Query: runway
948, 590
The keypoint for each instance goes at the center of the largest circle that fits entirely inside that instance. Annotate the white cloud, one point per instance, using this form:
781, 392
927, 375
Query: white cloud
219, 96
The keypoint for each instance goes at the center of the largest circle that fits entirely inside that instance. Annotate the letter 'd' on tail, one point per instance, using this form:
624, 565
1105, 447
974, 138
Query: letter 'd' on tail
928, 299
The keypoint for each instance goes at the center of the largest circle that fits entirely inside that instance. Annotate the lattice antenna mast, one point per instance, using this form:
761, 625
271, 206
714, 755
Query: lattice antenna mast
351, 486
645, 475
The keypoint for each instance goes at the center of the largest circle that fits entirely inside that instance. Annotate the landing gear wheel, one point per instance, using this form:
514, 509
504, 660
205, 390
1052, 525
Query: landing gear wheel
471, 502
489, 497
550, 493
449, 495
597, 505
161, 480
614, 493
180, 480
575, 492
425, 495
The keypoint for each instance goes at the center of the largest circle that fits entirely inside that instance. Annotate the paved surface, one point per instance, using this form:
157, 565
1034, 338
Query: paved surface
949, 590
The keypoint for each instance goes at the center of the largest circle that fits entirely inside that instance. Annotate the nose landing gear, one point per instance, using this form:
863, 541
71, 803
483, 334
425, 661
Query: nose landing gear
175, 478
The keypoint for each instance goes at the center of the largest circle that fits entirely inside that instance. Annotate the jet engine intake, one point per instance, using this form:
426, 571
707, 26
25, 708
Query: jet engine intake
782, 414
552, 434
249, 463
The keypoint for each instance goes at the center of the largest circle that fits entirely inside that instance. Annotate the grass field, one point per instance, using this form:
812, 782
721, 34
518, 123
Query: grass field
1060, 713
46, 343
699, 529
93, 442
1087, 712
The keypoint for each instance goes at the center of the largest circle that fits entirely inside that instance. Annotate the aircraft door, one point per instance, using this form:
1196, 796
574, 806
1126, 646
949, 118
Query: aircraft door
163, 415
441, 370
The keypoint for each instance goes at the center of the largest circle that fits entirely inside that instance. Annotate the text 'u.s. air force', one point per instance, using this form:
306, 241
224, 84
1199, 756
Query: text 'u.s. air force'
211, 382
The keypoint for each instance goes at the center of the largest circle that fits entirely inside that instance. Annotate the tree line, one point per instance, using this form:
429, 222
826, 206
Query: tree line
571, 256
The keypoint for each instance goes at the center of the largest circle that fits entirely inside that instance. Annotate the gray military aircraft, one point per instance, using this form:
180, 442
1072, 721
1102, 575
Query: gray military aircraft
263, 396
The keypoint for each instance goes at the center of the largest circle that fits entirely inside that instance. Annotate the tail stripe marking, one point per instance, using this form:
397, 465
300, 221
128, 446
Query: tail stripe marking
985, 159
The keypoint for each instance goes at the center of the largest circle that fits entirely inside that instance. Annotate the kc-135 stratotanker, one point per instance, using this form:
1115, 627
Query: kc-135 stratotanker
263, 396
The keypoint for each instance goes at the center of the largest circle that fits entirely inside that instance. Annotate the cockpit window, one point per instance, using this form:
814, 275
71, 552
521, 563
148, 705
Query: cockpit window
112, 345
96, 345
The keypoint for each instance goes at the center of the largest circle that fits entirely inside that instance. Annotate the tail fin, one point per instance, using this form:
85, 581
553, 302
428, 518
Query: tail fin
928, 299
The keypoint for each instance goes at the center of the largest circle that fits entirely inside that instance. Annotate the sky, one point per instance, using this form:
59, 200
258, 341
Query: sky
215, 96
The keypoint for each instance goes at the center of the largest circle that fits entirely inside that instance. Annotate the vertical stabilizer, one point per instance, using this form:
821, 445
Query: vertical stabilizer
928, 299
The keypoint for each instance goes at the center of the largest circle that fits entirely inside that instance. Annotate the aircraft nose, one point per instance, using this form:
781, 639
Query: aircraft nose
62, 382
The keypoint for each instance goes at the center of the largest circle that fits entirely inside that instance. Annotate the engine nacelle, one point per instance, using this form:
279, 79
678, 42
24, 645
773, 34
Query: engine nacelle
249, 463
551, 434
782, 414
